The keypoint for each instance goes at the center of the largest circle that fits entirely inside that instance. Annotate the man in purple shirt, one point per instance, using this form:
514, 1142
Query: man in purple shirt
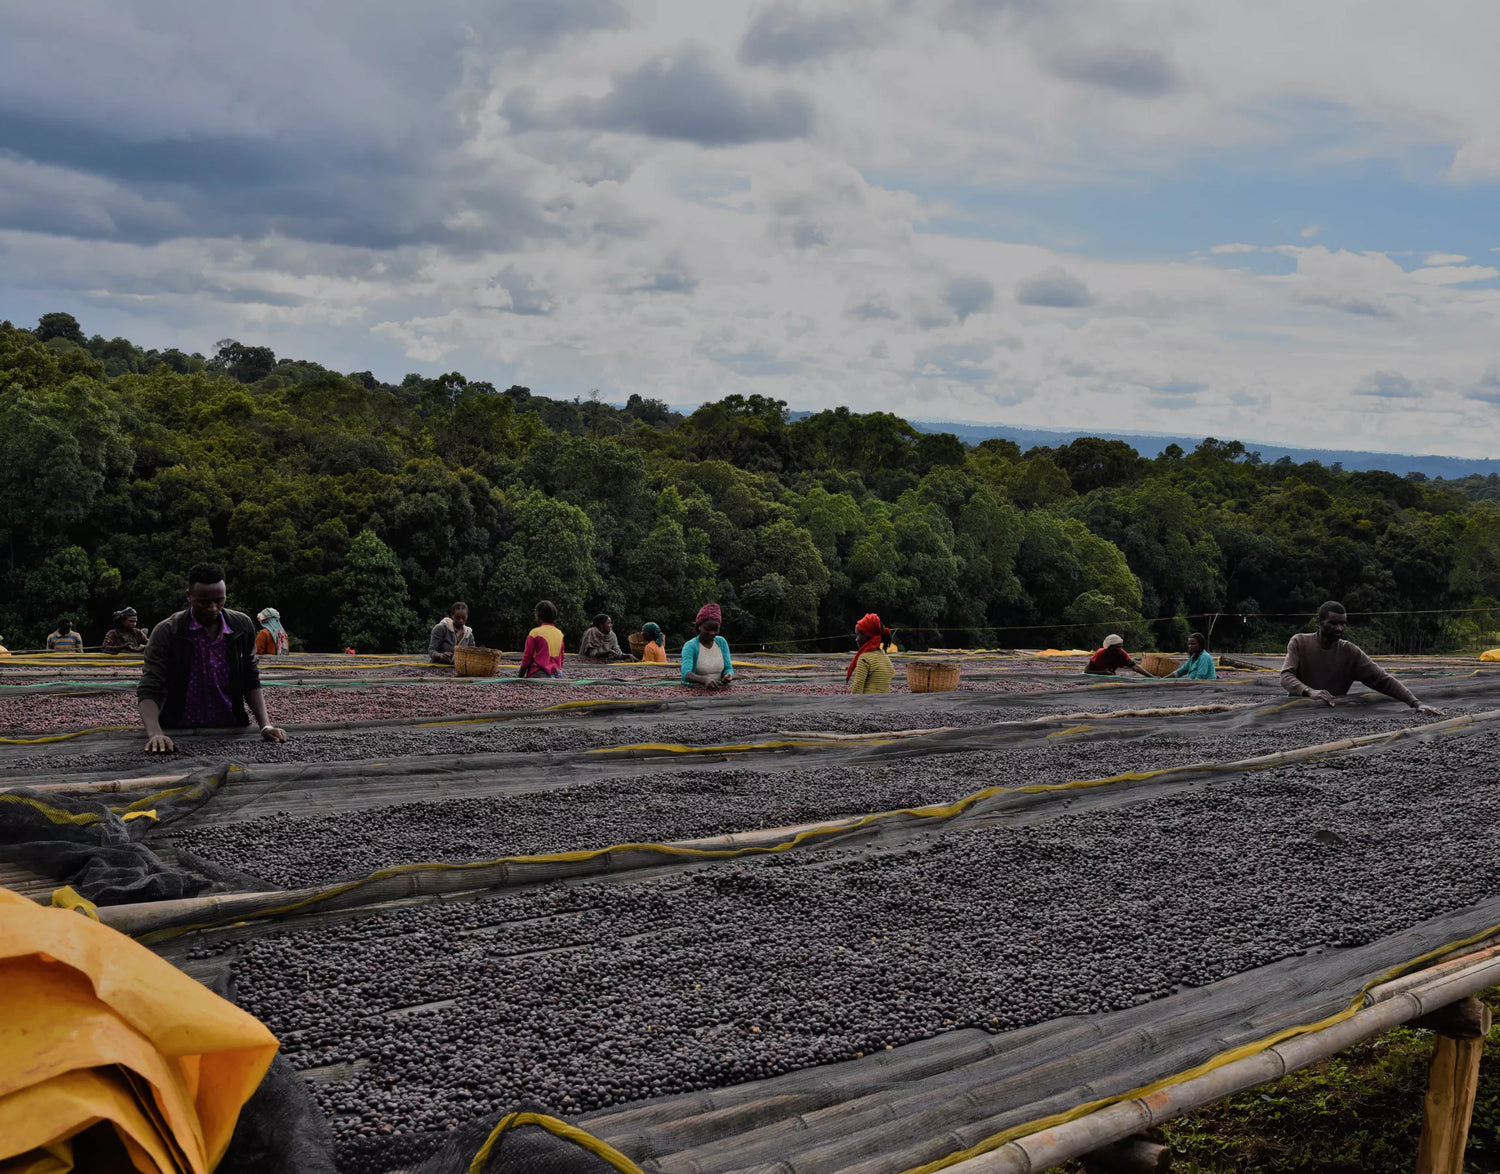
200, 667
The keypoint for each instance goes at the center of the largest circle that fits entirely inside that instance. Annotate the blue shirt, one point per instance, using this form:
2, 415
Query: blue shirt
1198, 668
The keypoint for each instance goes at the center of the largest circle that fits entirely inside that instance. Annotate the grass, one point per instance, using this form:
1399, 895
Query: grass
1359, 1112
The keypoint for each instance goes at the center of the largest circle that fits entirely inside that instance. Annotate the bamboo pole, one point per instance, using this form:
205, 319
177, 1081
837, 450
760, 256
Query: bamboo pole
1083, 1135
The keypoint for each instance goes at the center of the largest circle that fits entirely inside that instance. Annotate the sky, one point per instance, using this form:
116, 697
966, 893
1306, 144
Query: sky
1272, 220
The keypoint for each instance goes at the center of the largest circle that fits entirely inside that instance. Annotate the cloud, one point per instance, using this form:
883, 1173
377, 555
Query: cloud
1233, 248
520, 296
968, 295
1453, 274
963, 362
870, 310
1310, 231
667, 281
1388, 385
1487, 389
1180, 387
782, 35
1054, 287
1446, 259
686, 97
1138, 73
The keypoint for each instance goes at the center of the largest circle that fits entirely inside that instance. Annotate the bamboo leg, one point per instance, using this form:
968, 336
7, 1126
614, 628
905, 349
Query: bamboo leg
1451, 1087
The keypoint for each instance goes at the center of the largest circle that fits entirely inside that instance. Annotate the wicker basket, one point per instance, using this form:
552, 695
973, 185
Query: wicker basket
931, 677
473, 661
637, 644
1159, 664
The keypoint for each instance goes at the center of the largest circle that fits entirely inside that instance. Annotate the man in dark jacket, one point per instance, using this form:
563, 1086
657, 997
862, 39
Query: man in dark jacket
201, 669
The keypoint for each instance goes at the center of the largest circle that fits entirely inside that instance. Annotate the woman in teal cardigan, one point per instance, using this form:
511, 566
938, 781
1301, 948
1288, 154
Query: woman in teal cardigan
1199, 665
705, 661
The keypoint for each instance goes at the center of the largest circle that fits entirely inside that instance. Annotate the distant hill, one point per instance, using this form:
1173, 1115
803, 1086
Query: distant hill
1151, 445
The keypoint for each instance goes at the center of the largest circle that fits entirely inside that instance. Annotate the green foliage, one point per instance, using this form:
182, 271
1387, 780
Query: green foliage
149, 461
374, 616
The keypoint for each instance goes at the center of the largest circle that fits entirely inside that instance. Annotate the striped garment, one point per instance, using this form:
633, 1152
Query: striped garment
873, 673
72, 642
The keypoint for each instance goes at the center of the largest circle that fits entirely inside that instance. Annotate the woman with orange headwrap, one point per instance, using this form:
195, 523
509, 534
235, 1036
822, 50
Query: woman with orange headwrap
871, 670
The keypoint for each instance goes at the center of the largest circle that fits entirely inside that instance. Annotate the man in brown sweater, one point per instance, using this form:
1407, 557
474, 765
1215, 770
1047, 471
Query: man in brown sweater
1322, 664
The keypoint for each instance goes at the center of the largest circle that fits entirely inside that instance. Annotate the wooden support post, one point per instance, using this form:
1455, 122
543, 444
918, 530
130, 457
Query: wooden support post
1451, 1084
1130, 1155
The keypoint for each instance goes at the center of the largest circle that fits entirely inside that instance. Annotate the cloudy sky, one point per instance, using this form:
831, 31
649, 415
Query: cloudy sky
1272, 220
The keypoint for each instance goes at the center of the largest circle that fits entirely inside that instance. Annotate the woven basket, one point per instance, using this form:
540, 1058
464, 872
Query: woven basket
637, 644
932, 677
473, 661
1159, 664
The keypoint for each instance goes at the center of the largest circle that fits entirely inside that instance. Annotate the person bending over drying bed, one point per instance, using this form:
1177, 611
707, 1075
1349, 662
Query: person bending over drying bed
272, 639
201, 670
871, 670
543, 655
1199, 665
449, 633
1322, 664
705, 661
655, 649
1111, 658
126, 635
600, 641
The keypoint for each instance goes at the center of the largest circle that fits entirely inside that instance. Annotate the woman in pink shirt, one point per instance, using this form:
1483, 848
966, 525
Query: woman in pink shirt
543, 654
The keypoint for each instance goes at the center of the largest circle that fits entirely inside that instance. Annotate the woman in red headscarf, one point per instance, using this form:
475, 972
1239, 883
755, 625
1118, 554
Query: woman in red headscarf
871, 670
705, 660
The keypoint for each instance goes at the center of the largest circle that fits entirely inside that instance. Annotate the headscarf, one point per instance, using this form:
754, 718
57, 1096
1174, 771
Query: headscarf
876, 635
652, 632
709, 611
121, 614
271, 618
1112, 639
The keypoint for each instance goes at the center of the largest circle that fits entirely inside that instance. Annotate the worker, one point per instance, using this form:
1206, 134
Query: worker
1322, 665
543, 654
600, 641
65, 639
705, 660
4, 651
870, 671
654, 651
1111, 658
450, 632
201, 670
272, 639
1199, 665
125, 635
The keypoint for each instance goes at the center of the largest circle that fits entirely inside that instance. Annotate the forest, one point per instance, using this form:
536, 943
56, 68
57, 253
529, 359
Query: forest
362, 509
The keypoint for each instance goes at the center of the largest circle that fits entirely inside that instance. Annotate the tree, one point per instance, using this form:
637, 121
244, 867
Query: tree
59, 325
245, 364
375, 616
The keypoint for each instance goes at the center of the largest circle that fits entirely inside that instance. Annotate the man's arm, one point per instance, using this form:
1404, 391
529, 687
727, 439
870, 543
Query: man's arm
152, 689
255, 699
1289, 667
1371, 674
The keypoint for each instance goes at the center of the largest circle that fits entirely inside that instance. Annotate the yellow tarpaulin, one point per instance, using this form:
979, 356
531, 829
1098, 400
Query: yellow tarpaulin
94, 1028
1063, 652
1491, 654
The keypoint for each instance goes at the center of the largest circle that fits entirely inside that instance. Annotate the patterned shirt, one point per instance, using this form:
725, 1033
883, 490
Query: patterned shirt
208, 703
65, 642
